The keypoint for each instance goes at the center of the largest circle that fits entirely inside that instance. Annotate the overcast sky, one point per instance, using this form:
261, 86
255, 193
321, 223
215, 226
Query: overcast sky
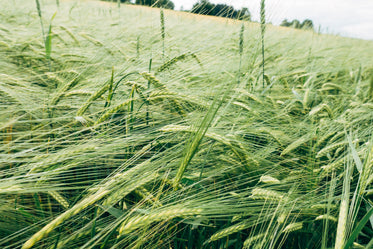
352, 18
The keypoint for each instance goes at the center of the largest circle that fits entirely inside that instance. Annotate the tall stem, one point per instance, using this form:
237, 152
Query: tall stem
262, 29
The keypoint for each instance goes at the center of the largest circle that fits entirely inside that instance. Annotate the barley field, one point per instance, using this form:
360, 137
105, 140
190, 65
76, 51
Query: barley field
132, 127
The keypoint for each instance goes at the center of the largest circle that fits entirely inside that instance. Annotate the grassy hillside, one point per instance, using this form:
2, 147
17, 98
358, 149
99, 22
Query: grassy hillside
118, 132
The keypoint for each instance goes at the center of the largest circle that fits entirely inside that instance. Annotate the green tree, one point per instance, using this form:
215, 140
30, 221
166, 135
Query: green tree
307, 24
204, 7
295, 24
244, 14
285, 23
167, 4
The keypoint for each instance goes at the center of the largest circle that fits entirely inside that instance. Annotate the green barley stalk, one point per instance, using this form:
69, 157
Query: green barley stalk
293, 227
265, 194
138, 47
194, 141
48, 43
64, 89
92, 40
240, 46
213, 136
172, 61
130, 103
296, 144
358, 229
365, 171
140, 221
147, 104
61, 218
370, 92
47, 39
100, 92
343, 210
228, 231
68, 31
59, 198
112, 111
40, 17
94, 96
163, 35
262, 29
241, 41
110, 94
250, 240
153, 80
181, 57
332, 186
129, 123
111, 186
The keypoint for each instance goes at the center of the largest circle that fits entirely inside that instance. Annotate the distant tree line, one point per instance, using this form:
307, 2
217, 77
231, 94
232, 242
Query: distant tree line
167, 4
204, 7
306, 24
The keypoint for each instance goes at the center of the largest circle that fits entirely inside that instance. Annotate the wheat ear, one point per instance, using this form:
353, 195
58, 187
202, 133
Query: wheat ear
139, 221
61, 218
228, 231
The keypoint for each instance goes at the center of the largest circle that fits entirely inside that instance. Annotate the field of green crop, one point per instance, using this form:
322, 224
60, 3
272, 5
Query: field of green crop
123, 129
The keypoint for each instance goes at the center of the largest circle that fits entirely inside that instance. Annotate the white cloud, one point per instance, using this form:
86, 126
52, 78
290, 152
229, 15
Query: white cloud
358, 30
